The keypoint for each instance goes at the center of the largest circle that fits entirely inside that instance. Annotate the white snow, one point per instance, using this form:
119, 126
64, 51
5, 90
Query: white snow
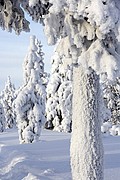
49, 159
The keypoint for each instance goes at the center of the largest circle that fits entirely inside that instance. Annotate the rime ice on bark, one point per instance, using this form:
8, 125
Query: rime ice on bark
30, 102
86, 144
8, 97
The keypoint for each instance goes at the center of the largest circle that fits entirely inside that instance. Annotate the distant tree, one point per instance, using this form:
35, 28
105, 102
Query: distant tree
30, 102
7, 98
2, 118
34, 60
59, 95
112, 100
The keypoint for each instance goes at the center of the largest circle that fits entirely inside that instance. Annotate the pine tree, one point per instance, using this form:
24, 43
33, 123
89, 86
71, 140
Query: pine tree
2, 118
33, 61
88, 44
59, 95
30, 102
8, 97
112, 100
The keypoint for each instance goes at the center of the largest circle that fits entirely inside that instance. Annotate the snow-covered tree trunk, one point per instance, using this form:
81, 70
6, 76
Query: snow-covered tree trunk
86, 145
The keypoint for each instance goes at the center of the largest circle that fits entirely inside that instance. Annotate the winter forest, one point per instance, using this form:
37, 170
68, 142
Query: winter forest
64, 124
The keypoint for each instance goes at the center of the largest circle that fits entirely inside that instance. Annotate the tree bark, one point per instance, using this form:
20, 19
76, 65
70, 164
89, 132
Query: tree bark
86, 145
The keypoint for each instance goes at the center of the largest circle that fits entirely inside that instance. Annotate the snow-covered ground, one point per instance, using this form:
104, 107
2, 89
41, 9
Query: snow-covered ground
48, 159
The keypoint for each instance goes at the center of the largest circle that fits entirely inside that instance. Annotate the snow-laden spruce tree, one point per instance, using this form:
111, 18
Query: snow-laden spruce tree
92, 31
59, 94
7, 99
2, 118
92, 28
111, 92
30, 102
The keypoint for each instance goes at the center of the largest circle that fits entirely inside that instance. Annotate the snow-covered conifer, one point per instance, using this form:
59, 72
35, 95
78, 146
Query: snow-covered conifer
59, 95
92, 31
36, 8
34, 61
30, 102
2, 118
112, 100
12, 16
7, 98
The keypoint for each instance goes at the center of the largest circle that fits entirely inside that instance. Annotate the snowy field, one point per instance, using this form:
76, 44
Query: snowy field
49, 158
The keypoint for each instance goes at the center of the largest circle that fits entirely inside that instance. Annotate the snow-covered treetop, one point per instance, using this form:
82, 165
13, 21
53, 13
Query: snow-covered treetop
33, 63
9, 87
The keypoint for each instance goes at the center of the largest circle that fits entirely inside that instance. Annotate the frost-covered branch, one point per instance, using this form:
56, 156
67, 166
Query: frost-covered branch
12, 16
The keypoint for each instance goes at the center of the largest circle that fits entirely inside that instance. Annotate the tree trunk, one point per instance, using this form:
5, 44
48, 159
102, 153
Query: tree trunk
86, 144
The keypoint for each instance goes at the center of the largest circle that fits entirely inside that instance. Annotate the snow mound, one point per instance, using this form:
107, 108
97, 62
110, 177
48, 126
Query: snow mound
110, 129
49, 159
44, 160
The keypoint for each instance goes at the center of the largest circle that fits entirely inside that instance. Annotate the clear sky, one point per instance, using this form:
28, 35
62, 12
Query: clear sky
13, 49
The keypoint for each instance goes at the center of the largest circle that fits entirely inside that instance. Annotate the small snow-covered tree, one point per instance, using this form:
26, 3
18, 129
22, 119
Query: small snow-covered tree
30, 102
59, 95
7, 98
2, 119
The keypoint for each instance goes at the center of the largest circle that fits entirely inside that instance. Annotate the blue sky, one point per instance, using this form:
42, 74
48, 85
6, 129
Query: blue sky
13, 49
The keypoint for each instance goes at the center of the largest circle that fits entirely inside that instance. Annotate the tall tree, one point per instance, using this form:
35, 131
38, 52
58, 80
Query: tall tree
30, 102
93, 41
7, 98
